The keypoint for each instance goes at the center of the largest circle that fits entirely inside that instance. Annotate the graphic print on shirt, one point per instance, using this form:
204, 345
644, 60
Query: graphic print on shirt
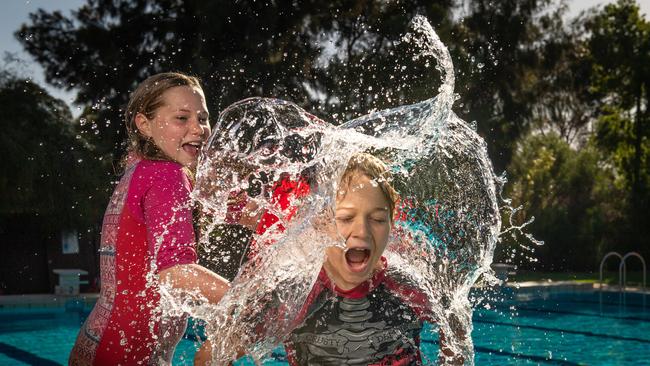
98, 319
377, 328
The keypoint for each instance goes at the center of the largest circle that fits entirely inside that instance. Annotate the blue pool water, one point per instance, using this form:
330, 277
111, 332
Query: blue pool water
527, 327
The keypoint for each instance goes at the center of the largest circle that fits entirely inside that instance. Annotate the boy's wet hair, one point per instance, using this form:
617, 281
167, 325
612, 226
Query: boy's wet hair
146, 99
376, 170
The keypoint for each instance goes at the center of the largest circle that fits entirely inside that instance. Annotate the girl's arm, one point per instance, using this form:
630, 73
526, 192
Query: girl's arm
168, 217
197, 279
203, 357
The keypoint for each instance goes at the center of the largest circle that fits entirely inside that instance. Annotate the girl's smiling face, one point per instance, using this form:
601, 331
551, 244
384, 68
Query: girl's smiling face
363, 219
180, 125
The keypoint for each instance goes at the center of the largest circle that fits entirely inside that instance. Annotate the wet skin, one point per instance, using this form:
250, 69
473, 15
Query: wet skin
180, 126
364, 221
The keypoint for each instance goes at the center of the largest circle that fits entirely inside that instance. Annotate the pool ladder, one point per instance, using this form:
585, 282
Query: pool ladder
622, 279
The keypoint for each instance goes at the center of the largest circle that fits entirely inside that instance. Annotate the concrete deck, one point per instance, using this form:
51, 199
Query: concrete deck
89, 299
44, 300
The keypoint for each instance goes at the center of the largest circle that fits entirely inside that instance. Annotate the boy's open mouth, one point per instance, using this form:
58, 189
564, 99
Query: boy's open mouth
357, 258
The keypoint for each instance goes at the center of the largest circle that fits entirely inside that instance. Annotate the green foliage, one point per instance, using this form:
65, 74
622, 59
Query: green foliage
620, 50
47, 169
583, 170
498, 48
562, 100
564, 107
339, 57
570, 194
619, 46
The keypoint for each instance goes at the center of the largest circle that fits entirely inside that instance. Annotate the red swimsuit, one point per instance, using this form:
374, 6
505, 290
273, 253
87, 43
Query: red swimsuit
148, 222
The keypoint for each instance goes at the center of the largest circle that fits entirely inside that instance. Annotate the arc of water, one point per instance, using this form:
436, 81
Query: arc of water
431, 45
622, 276
422, 123
439, 108
600, 278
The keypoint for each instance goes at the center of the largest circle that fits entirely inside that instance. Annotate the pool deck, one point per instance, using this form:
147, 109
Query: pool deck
45, 300
575, 286
89, 299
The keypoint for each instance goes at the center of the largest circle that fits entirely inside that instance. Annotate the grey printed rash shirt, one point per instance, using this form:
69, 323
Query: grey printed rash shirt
376, 323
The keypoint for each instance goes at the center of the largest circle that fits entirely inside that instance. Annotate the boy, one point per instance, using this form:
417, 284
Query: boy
359, 311
356, 313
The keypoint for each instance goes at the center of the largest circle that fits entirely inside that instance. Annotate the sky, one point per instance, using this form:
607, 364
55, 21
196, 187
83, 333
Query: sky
13, 14
16, 12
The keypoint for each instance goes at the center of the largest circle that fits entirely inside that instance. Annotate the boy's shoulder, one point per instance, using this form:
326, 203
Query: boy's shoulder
396, 275
402, 284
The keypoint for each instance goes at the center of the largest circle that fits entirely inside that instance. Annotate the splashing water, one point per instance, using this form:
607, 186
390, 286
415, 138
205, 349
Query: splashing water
446, 228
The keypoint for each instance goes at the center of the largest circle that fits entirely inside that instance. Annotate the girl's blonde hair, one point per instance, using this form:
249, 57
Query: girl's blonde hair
146, 99
376, 170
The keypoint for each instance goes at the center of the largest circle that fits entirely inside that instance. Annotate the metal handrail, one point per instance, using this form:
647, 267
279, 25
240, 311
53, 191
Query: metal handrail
622, 276
600, 278
602, 263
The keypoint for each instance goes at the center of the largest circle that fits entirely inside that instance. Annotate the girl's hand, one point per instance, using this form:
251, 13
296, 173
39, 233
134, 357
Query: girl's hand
242, 210
203, 357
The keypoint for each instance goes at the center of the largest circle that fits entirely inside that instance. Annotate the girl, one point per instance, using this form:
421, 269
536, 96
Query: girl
147, 234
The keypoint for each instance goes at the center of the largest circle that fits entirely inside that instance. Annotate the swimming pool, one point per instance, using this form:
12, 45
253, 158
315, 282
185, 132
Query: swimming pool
528, 327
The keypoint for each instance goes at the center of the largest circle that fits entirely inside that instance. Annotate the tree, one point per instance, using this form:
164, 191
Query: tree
619, 48
333, 57
577, 170
340, 58
522, 75
48, 169
571, 196
499, 59
563, 102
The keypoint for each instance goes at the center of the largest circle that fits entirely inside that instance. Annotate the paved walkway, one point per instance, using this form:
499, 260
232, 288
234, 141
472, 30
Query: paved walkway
45, 300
